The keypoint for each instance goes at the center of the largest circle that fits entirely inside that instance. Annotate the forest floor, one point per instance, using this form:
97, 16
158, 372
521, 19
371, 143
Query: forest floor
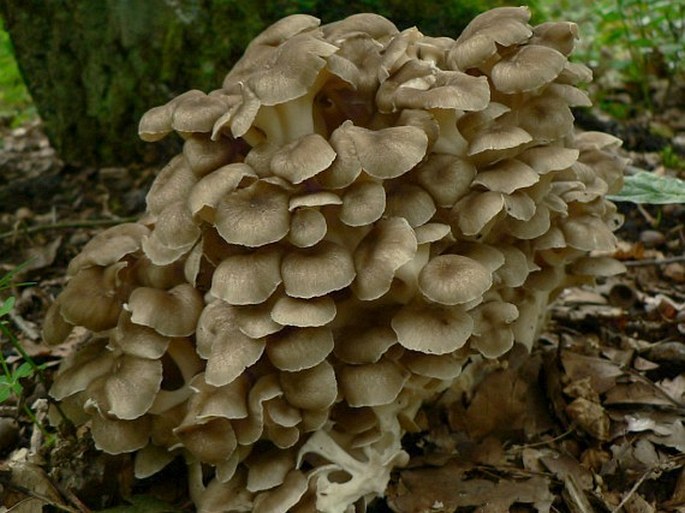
592, 420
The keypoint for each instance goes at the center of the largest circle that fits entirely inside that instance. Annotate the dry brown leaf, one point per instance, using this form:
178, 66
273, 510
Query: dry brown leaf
637, 504
40, 491
675, 387
678, 497
39, 257
444, 490
590, 417
498, 406
675, 437
564, 467
602, 373
637, 393
575, 497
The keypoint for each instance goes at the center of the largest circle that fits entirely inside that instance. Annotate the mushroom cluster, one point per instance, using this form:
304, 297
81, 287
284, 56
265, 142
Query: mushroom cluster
357, 212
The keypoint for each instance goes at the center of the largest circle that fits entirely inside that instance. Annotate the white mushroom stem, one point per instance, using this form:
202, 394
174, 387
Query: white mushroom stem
367, 478
450, 141
288, 121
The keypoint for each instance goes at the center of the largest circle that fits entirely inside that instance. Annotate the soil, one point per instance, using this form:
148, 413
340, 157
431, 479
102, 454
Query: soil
592, 420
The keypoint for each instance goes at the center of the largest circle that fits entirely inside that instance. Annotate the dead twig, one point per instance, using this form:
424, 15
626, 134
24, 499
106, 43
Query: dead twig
653, 471
31, 495
24, 326
86, 223
654, 261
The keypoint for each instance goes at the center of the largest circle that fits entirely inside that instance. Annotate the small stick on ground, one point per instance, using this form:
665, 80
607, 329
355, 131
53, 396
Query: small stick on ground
86, 223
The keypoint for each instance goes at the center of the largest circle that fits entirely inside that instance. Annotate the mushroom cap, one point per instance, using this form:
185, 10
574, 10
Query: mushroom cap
507, 176
432, 329
529, 68
373, 384
310, 389
389, 152
475, 210
197, 113
317, 271
504, 26
499, 140
588, 233
155, 124
364, 344
204, 155
303, 158
281, 499
307, 227
207, 193
443, 367
254, 216
213, 441
255, 321
299, 348
492, 332
228, 351
410, 202
173, 313
228, 401
140, 341
172, 184
558, 35
120, 436
81, 368
128, 391
546, 118
433, 232
597, 266
544, 159
446, 177
268, 468
363, 203
247, 279
173, 235
303, 313
109, 246
454, 279
55, 328
290, 69
386, 248
93, 298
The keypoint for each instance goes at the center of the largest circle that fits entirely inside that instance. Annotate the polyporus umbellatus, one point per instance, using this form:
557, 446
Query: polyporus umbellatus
357, 213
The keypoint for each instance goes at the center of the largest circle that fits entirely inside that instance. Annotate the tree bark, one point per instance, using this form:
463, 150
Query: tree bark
94, 67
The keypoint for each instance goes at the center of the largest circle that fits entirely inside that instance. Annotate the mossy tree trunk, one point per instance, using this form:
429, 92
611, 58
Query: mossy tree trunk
93, 67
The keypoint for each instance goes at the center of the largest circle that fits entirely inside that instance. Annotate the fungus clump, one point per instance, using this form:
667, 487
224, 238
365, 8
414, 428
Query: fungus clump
356, 214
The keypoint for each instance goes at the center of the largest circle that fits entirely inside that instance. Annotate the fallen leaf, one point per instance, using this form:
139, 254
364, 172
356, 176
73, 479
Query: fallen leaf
420, 490
637, 393
590, 417
498, 406
602, 373
675, 437
637, 504
143, 504
39, 257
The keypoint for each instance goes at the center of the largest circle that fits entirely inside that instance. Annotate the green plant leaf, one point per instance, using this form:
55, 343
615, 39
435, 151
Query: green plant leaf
143, 504
9, 387
7, 306
646, 187
23, 371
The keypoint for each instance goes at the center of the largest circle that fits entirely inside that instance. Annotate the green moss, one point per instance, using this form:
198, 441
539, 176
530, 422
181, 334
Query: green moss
15, 102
